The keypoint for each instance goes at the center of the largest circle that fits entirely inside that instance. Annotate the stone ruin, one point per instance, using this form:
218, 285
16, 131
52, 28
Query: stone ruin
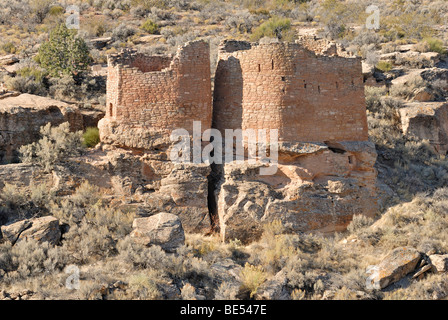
285, 86
314, 96
157, 93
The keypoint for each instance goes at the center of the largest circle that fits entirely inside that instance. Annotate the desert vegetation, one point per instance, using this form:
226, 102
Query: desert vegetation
57, 62
305, 266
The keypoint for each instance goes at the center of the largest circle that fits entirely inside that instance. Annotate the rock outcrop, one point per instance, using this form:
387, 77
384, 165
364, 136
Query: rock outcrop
317, 187
438, 76
12, 231
163, 229
161, 185
8, 60
44, 229
395, 266
427, 121
21, 117
440, 262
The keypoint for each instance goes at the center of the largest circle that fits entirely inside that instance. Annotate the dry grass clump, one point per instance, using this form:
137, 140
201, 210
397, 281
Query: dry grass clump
56, 145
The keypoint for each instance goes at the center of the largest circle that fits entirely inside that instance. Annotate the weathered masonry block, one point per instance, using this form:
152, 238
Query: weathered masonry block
305, 95
159, 93
309, 93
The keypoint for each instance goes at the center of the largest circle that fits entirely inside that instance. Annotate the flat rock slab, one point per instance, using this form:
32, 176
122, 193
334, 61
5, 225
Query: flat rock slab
44, 229
396, 265
12, 231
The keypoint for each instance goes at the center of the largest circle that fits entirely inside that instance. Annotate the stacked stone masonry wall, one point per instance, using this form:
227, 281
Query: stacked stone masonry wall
161, 93
308, 97
322, 46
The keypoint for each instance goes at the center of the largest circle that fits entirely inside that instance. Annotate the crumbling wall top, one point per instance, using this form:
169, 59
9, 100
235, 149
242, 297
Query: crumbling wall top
322, 46
131, 58
317, 46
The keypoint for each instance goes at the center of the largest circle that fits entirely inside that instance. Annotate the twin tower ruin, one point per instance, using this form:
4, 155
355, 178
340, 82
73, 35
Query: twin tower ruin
310, 91
308, 94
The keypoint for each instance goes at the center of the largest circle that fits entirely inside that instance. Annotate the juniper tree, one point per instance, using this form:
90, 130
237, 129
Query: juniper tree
65, 53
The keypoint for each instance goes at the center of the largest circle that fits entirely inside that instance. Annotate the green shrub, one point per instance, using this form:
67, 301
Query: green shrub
64, 53
373, 97
36, 73
71, 210
67, 88
275, 27
95, 236
408, 25
29, 79
226, 291
30, 258
435, 45
91, 137
56, 11
358, 223
25, 85
148, 4
144, 287
142, 257
40, 9
11, 196
123, 32
86, 195
150, 26
8, 47
384, 66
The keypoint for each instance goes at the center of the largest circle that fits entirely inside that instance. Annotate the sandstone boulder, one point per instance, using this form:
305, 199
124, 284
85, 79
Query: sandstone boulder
118, 135
11, 69
22, 116
21, 175
423, 95
438, 76
91, 117
187, 185
8, 59
427, 121
367, 69
163, 229
273, 289
99, 43
396, 265
440, 262
316, 187
407, 77
181, 189
416, 59
11, 232
44, 229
